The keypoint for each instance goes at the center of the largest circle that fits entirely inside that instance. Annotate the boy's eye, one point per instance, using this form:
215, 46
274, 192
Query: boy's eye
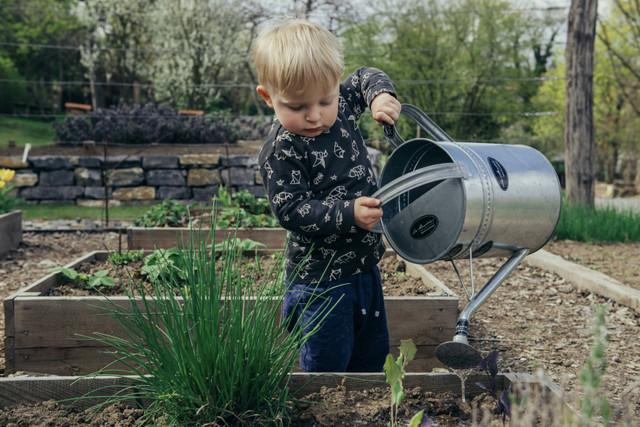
295, 108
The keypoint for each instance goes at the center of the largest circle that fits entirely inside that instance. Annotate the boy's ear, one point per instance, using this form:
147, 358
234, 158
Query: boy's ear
265, 95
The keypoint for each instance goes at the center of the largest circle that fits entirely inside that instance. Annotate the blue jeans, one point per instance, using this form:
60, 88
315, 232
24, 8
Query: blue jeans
353, 337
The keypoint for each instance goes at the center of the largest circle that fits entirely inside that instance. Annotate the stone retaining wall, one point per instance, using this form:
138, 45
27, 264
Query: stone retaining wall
140, 179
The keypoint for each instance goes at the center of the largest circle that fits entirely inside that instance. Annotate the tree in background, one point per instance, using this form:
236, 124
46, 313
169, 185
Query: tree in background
471, 65
579, 136
620, 36
28, 31
205, 43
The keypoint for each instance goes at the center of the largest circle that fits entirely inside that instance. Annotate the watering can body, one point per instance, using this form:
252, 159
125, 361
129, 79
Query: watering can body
443, 199
497, 199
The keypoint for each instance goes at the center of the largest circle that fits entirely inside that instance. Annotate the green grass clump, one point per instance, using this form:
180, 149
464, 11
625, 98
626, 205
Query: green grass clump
603, 225
73, 211
23, 131
198, 350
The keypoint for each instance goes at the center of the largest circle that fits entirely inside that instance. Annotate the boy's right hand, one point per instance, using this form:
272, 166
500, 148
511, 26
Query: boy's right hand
367, 211
385, 108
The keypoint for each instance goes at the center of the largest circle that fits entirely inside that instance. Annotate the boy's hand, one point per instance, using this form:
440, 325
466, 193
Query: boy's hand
367, 212
385, 108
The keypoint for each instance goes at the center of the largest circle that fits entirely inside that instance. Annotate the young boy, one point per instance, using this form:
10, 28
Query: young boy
318, 177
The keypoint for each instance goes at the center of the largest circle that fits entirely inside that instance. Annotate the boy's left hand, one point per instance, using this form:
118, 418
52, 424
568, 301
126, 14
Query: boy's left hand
367, 212
385, 108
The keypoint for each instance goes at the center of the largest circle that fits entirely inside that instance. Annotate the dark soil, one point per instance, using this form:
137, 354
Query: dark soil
395, 280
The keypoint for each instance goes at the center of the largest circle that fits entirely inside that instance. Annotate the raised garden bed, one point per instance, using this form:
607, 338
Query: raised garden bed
361, 398
10, 230
41, 332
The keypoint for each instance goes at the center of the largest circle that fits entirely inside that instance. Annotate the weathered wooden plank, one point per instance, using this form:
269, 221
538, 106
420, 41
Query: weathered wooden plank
422, 319
10, 231
60, 321
88, 360
165, 238
29, 390
63, 360
586, 278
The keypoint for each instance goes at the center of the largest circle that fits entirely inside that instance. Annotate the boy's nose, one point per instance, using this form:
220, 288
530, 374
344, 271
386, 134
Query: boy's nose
313, 115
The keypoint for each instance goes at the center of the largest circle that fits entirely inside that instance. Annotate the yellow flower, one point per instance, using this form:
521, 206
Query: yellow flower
6, 175
2, 184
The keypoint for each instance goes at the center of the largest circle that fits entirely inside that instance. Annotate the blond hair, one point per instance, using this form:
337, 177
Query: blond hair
295, 54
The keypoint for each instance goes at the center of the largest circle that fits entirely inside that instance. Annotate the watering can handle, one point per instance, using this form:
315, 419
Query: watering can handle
422, 120
419, 177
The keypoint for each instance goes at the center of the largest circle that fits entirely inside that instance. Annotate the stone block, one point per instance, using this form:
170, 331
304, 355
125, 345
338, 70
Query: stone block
238, 176
87, 177
96, 192
178, 193
160, 162
168, 177
56, 178
135, 193
200, 159
90, 162
203, 177
11, 162
241, 160
123, 162
28, 179
126, 177
50, 162
63, 193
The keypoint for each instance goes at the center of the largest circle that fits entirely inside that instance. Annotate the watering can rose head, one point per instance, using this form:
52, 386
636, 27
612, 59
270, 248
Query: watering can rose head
6, 203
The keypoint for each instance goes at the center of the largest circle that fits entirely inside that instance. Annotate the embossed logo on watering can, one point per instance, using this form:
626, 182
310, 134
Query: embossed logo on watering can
499, 172
423, 226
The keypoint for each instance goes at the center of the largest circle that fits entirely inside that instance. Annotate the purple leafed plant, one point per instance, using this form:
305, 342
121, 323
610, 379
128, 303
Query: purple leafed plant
502, 401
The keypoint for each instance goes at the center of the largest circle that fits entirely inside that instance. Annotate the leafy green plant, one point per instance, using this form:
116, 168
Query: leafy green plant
119, 258
243, 209
205, 354
99, 278
169, 213
394, 371
166, 263
237, 244
490, 366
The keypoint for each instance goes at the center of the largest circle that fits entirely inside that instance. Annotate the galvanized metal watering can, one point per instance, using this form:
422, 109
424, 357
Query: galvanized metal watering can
446, 200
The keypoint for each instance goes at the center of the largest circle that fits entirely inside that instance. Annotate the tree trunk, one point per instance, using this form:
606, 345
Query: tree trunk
579, 135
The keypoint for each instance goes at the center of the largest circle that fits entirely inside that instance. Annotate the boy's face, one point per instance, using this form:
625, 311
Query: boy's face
308, 114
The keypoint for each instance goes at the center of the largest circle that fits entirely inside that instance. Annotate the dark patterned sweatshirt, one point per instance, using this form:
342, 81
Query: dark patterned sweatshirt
312, 183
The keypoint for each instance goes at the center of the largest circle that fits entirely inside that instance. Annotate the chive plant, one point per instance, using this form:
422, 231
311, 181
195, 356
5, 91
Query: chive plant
198, 350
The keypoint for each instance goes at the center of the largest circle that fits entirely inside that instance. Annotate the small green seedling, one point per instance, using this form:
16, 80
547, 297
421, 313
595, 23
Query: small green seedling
100, 278
394, 371
120, 258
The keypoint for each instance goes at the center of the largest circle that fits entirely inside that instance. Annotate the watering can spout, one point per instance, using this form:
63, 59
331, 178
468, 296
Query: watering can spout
458, 354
